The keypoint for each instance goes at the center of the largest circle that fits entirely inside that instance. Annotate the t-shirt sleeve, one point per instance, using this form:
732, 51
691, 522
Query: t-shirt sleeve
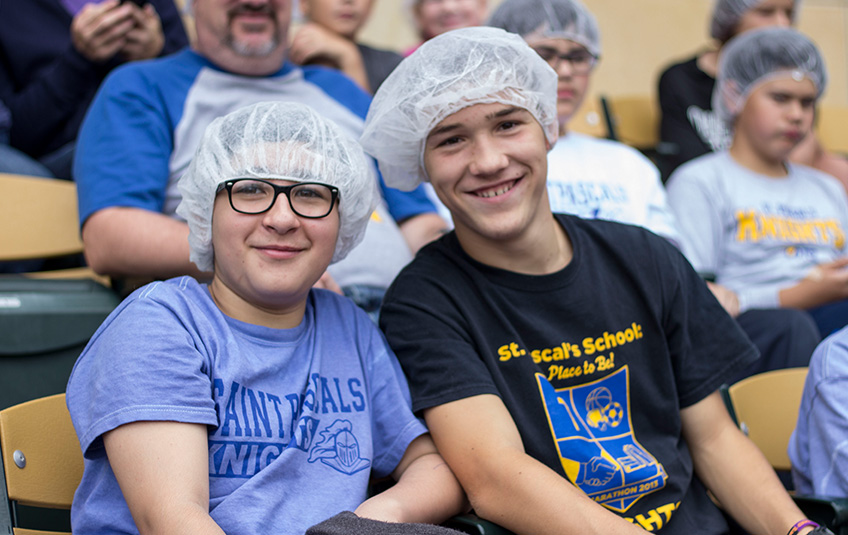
394, 426
124, 146
693, 202
707, 346
145, 363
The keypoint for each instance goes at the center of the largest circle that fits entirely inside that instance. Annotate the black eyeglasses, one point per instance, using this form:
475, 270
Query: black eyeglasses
311, 200
581, 61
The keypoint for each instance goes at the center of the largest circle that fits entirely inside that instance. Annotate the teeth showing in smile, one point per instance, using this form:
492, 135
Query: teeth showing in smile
495, 193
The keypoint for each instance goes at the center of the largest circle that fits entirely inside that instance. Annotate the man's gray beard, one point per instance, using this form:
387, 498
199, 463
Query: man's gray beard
253, 51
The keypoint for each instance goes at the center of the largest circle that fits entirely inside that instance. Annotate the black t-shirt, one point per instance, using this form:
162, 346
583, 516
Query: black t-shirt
688, 127
593, 362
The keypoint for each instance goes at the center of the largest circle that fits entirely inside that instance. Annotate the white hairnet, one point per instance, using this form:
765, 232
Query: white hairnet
276, 140
727, 13
558, 19
448, 73
759, 56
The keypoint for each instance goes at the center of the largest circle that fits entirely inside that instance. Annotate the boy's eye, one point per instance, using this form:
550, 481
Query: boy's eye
808, 102
779, 97
578, 58
507, 125
547, 54
453, 140
251, 188
312, 192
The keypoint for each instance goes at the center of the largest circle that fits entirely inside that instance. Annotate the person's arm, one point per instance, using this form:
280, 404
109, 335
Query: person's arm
726, 297
426, 490
41, 106
314, 44
163, 471
732, 467
134, 242
478, 439
826, 283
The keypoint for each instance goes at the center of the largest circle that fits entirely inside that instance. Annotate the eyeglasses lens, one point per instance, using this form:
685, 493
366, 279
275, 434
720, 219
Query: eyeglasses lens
306, 200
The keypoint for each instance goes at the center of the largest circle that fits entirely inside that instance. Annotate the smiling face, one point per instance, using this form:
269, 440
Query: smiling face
776, 117
573, 65
266, 263
488, 165
766, 14
344, 17
435, 17
243, 36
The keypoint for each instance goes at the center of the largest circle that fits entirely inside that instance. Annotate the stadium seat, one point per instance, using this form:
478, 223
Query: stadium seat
765, 407
42, 462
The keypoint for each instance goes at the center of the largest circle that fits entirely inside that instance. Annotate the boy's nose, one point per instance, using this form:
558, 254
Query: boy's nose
487, 158
281, 217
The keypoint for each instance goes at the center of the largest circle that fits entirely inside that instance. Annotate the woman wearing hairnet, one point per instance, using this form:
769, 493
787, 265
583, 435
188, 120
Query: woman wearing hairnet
689, 125
254, 404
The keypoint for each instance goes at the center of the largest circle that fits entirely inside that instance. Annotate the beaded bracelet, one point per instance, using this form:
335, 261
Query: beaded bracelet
801, 524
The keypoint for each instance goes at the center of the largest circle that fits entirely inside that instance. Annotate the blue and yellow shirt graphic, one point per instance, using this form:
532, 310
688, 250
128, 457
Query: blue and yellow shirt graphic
599, 453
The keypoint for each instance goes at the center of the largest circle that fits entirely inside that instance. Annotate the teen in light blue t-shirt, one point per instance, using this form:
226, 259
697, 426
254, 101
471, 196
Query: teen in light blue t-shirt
254, 404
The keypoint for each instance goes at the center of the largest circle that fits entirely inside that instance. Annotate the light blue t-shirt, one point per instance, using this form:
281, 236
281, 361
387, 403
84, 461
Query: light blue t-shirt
298, 419
757, 234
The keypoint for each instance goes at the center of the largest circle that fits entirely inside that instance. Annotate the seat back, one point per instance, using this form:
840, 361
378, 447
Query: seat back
766, 408
635, 120
42, 461
43, 213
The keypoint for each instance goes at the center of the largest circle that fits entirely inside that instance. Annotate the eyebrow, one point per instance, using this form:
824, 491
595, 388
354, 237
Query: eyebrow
495, 115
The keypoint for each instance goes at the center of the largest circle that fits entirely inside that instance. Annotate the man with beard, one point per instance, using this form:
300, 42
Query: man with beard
141, 131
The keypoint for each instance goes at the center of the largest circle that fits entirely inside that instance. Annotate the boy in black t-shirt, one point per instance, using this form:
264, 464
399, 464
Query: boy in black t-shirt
567, 369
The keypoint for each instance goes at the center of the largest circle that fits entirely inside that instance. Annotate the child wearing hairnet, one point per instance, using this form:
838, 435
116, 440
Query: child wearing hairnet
255, 403
587, 176
771, 231
568, 369
602, 179
689, 126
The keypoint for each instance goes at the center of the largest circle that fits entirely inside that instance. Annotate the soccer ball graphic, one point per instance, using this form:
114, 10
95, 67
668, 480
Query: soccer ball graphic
601, 411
